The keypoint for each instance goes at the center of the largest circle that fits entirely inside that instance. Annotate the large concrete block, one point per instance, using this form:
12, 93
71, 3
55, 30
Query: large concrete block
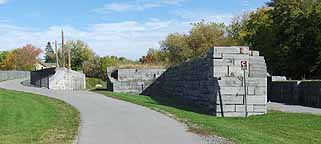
259, 100
220, 71
230, 100
232, 114
230, 82
226, 108
230, 50
261, 91
241, 108
232, 90
256, 82
236, 56
223, 62
236, 71
260, 108
255, 53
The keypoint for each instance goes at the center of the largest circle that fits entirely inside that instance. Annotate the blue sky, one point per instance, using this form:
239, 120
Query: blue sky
110, 27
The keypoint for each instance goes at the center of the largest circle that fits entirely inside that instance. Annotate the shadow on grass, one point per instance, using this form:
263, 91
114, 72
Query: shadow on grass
165, 101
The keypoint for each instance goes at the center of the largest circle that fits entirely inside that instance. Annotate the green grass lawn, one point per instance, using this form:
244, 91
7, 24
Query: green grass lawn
92, 82
27, 118
274, 127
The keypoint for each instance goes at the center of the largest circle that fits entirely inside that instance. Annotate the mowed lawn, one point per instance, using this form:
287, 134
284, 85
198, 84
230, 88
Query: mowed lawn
274, 127
27, 118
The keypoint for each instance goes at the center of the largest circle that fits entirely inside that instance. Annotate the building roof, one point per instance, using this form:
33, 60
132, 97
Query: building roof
47, 64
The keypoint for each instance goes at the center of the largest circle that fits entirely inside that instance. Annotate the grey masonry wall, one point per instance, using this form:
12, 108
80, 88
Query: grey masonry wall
131, 80
67, 79
306, 93
13, 74
58, 79
212, 82
218, 77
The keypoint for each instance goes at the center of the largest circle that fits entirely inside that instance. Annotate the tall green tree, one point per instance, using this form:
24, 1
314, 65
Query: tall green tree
180, 47
287, 33
3, 55
80, 53
49, 54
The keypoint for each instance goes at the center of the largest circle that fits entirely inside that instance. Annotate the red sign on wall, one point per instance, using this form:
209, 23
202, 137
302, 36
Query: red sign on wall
244, 65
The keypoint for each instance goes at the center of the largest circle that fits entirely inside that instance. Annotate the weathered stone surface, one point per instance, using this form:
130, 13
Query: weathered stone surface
13, 74
66, 79
131, 80
200, 81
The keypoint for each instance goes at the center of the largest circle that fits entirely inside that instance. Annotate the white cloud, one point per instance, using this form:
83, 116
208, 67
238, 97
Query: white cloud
195, 16
3, 2
130, 39
137, 5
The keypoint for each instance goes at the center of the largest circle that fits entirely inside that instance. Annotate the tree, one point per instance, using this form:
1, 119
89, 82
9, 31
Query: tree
92, 68
153, 56
3, 55
23, 58
287, 33
80, 53
49, 54
180, 47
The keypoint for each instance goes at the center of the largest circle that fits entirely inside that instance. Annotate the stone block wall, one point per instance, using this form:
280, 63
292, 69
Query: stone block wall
13, 74
58, 79
131, 80
227, 68
191, 82
66, 79
214, 82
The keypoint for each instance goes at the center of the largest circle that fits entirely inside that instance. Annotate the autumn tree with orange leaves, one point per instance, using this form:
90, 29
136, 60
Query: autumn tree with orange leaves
23, 58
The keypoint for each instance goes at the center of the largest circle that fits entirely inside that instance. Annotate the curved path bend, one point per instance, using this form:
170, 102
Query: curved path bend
109, 121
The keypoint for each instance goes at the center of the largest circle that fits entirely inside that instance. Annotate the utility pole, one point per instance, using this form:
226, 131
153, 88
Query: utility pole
57, 57
69, 58
62, 48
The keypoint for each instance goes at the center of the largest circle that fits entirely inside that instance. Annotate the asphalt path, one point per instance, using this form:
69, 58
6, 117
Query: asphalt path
106, 120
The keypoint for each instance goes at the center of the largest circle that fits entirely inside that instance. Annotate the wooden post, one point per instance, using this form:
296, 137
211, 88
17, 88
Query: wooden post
57, 57
62, 48
69, 58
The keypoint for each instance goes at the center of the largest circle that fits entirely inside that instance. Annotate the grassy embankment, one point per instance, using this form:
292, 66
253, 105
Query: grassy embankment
27, 118
275, 127
92, 82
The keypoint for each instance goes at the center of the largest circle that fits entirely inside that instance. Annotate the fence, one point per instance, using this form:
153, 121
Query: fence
13, 74
40, 78
306, 93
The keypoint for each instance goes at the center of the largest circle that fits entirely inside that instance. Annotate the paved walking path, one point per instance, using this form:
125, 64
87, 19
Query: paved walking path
293, 108
108, 121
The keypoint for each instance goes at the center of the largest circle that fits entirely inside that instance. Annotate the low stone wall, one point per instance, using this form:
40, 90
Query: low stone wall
215, 82
66, 79
58, 79
192, 82
131, 80
306, 93
13, 74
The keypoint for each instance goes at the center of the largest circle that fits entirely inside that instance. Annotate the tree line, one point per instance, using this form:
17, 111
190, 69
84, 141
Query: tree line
286, 32
83, 58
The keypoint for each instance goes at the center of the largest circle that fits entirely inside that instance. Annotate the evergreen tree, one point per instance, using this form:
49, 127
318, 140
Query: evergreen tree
49, 54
